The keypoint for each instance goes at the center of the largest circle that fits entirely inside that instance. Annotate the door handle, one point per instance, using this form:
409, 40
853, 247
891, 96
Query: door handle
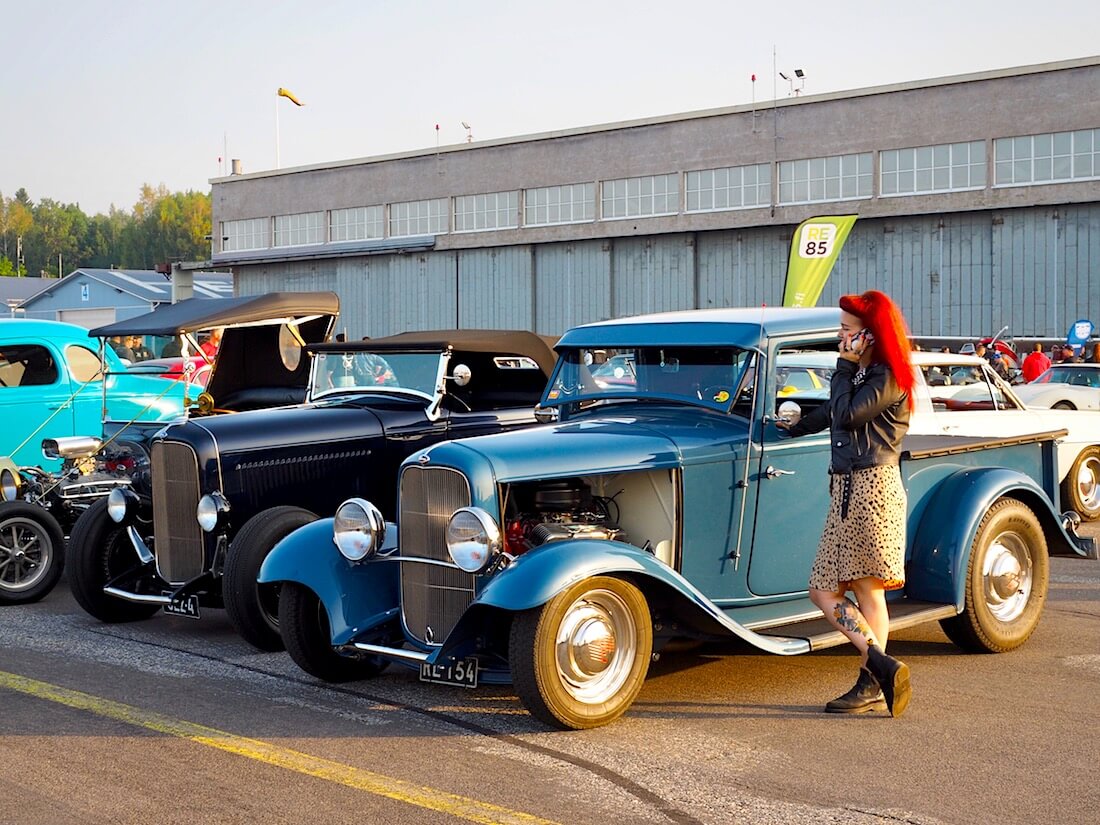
772, 472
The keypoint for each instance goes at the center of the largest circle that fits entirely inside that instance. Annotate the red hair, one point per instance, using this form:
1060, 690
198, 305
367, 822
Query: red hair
882, 316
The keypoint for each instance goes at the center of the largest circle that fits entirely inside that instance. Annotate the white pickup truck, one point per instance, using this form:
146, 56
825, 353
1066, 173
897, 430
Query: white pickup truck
962, 395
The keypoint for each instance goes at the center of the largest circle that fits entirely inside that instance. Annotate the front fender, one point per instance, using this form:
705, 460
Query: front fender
539, 575
356, 597
940, 549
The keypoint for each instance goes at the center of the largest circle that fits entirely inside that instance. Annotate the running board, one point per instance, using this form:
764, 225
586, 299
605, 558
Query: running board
820, 634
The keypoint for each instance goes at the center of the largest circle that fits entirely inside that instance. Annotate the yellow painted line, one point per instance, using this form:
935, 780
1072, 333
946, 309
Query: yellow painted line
398, 789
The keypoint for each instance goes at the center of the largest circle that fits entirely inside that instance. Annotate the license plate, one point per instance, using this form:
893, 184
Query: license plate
184, 606
460, 673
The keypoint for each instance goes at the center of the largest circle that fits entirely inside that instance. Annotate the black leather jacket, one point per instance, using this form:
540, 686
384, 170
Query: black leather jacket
866, 421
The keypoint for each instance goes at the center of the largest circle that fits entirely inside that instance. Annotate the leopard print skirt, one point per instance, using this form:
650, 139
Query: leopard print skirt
864, 533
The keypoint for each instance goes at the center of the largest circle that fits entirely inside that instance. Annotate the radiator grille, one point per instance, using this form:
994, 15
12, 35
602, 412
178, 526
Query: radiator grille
177, 538
433, 598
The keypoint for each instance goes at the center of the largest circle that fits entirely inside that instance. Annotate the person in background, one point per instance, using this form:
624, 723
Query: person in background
1035, 364
862, 547
211, 344
138, 348
1096, 354
173, 349
122, 350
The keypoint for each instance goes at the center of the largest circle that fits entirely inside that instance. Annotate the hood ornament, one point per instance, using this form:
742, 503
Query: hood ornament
424, 459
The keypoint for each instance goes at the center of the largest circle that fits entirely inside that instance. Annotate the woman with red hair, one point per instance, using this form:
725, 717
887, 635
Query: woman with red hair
862, 547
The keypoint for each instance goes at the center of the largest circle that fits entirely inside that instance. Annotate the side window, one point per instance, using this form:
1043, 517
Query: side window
83, 363
24, 365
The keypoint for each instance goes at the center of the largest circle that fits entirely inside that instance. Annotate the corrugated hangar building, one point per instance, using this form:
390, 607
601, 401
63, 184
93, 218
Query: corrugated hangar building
978, 199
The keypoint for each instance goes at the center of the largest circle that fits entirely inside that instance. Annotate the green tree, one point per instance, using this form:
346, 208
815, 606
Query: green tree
56, 238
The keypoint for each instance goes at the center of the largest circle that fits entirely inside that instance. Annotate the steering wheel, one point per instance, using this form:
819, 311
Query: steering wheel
718, 393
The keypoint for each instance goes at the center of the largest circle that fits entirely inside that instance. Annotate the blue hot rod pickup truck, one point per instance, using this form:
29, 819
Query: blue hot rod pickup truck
659, 501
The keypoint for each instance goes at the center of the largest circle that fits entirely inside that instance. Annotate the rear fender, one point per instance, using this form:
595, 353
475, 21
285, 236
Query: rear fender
539, 575
940, 550
357, 597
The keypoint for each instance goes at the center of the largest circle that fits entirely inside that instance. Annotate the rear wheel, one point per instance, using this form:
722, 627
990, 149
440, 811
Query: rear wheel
1063, 405
1081, 489
579, 660
305, 629
32, 552
99, 551
253, 608
1006, 581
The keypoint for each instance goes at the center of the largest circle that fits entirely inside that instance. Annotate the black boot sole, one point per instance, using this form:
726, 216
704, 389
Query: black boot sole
868, 708
901, 692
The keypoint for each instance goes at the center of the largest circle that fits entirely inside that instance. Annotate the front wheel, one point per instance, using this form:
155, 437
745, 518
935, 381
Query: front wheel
253, 608
1081, 489
99, 551
580, 660
305, 630
32, 552
1006, 581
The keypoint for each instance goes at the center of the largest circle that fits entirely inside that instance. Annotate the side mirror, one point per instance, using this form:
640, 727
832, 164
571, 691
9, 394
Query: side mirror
462, 375
790, 412
546, 415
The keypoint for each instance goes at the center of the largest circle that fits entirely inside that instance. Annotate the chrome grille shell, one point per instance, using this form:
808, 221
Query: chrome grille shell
178, 540
433, 596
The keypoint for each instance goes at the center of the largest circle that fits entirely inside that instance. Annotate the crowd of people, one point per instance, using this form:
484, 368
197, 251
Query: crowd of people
133, 349
1027, 367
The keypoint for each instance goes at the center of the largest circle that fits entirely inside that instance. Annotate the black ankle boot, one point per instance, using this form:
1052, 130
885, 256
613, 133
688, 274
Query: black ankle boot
864, 696
893, 677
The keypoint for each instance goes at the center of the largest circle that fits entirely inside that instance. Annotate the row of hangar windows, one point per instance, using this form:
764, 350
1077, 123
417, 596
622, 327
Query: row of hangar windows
1017, 161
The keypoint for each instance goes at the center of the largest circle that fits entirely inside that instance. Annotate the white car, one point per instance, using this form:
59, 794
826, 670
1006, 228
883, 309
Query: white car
962, 395
1064, 387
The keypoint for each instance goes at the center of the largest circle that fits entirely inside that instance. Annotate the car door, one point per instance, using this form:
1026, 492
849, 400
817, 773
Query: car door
791, 485
982, 406
34, 400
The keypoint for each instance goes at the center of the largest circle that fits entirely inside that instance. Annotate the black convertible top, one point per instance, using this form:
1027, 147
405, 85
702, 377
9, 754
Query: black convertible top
204, 313
539, 348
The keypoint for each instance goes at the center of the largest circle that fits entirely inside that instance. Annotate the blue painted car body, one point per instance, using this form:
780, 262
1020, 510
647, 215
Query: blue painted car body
53, 398
722, 512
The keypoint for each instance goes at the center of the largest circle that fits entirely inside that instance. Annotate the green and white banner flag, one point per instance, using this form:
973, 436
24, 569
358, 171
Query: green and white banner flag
814, 249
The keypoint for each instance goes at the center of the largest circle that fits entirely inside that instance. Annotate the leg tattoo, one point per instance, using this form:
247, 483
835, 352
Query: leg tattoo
847, 615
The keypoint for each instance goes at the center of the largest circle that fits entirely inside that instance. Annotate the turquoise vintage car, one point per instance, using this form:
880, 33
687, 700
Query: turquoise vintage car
565, 556
52, 386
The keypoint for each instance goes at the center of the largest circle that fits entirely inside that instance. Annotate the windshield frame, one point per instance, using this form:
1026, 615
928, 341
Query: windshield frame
433, 399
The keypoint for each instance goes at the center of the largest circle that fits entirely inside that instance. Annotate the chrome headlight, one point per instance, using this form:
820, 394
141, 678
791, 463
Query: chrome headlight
9, 484
117, 503
473, 539
210, 510
358, 529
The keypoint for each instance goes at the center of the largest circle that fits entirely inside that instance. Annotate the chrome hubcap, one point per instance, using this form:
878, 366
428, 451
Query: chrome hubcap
1006, 576
24, 554
595, 646
1088, 483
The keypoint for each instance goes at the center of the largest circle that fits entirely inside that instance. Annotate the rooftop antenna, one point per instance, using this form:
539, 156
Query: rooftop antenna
469, 132
754, 114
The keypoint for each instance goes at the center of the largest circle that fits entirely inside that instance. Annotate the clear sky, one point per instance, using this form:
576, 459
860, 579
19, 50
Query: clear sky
99, 97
